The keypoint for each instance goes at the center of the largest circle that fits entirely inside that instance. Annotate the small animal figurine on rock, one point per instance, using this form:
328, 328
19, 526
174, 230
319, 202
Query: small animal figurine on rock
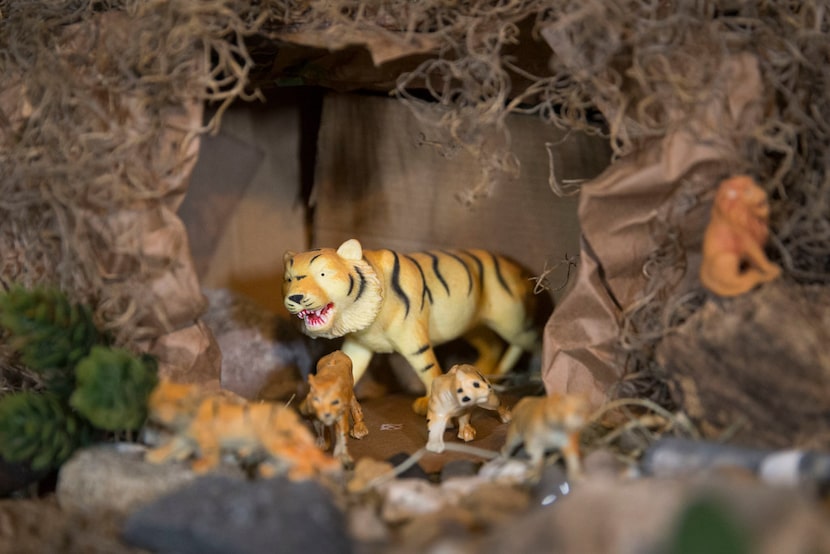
331, 401
455, 395
548, 423
733, 256
206, 425
385, 301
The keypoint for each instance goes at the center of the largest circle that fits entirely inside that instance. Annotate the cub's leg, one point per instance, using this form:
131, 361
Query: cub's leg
493, 403
437, 424
359, 429
466, 432
512, 441
177, 449
341, 451
570, 452
322, 441
210, 454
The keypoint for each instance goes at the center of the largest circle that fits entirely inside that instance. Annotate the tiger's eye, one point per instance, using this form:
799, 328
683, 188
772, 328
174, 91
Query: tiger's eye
476, 384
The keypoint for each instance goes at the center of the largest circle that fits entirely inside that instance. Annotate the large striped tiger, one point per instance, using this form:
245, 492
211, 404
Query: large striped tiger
384, 301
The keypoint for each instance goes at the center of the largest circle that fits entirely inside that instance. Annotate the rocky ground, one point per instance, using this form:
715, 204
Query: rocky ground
107, 499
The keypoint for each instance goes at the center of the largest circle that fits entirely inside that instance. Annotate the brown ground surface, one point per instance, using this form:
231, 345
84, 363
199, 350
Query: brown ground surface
394, 428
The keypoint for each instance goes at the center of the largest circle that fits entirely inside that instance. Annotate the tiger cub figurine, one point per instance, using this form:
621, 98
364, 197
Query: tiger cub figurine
205, 425
331, 401
454, 395
548, 423
384, 301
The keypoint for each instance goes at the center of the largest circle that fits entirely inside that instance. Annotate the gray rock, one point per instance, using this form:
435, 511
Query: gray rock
223, 515
264, 356
459, 468
641, 516
115, 478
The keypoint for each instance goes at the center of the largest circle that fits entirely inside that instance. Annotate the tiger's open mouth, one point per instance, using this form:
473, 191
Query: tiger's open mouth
316, 318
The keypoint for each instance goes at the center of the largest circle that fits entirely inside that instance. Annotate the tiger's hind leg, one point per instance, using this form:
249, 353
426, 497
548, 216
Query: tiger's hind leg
489, 347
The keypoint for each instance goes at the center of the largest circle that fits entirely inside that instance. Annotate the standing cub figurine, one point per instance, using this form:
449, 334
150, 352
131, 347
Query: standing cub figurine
454, 395
384, 301
548, 423
331, 401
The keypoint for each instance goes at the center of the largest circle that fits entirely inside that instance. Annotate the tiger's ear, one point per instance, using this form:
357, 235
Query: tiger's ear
351, 250
288, 256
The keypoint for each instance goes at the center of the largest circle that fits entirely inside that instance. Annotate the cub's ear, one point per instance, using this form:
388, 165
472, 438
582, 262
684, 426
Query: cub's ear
351, 250
288, 257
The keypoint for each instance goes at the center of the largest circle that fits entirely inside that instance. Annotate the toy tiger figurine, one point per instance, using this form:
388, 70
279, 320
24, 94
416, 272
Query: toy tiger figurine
384, 301
331, 401
548, 423
454, 395
205, 425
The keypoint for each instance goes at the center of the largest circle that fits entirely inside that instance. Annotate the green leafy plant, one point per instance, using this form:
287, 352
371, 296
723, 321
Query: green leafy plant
112, 387
707, 526
48, 330
38, 428
91, 388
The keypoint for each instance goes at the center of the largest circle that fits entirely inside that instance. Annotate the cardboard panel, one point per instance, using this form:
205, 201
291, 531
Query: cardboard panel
244, 208
380, 178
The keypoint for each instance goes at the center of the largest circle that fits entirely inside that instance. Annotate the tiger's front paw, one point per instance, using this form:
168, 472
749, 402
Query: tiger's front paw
420, 405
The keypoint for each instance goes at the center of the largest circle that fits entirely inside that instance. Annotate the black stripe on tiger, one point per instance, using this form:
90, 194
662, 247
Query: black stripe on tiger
421, 350
351, 285
427, 368
460, 260
437, 272
311, 261
396, 282
426, 294
499, 275
480, 265
362, 286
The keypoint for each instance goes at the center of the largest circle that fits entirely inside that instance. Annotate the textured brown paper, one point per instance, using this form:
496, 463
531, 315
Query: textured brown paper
188, 355
618, 213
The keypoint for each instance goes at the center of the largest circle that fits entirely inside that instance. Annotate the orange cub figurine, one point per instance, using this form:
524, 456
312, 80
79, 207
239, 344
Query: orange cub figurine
206, 425
548, 423
454, 395
331, 401
733, 257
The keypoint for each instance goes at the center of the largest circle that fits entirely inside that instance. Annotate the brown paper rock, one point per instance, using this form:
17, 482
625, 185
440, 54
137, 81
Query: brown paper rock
189, 355
620, 213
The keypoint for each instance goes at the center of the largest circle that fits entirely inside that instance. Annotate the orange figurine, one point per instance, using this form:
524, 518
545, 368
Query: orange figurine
733, 257
331, 401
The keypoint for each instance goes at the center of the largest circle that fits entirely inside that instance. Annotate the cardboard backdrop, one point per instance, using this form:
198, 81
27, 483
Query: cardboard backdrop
383, 177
